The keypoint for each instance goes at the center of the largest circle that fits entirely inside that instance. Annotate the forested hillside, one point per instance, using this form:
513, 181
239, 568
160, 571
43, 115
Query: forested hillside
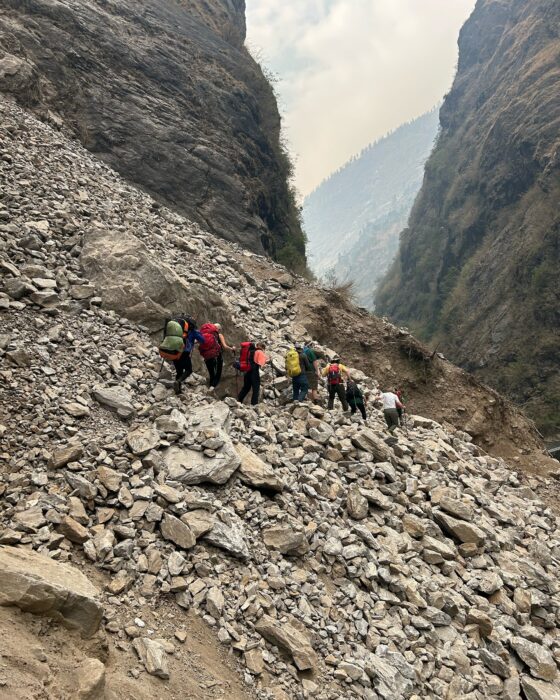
353, 219
478, 267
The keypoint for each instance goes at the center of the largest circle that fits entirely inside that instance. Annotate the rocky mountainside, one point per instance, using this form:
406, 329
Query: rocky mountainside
353, 219
165, 92
330, 559
477, 268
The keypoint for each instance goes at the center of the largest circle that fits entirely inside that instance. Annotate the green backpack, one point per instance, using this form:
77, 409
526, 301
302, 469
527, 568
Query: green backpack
173, 343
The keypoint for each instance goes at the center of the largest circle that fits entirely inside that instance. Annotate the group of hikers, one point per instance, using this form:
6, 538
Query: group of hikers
302, 366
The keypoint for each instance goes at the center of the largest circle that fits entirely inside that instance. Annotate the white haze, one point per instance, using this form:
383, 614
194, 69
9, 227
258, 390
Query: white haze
351, 70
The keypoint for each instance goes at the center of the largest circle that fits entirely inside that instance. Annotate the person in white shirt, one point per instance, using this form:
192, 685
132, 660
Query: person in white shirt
390, 405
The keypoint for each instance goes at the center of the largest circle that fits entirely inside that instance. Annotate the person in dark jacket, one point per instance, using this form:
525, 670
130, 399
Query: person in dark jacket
183, 366
252, 378
355, 398
300, 384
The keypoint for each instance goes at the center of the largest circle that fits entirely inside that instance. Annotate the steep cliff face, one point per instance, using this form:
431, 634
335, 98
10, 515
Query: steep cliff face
478, 265
165, 92
353, 219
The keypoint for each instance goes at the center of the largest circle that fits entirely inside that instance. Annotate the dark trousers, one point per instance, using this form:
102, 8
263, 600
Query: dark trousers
358, 406
183, 366
300, 387
214, 365
340, 391
251, 380
392, 418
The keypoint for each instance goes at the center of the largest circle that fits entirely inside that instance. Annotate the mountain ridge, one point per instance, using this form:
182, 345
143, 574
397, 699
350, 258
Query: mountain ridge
167, 94
362, 206
477, 266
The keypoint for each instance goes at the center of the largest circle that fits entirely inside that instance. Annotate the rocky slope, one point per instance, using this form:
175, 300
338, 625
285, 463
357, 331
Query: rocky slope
353, 219
166, 93
329, 558
477, 268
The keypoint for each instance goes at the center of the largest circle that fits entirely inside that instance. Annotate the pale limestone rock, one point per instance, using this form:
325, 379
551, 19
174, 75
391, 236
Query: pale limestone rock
177, 532
37, 584
288, 635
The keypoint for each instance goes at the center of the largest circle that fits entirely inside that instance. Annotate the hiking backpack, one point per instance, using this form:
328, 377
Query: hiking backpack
173, 343
334, 377
246, 357
292, 363
211, 347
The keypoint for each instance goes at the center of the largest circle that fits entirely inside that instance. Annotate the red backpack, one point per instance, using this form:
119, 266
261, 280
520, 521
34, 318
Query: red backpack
246, 357
211, 346
334, 377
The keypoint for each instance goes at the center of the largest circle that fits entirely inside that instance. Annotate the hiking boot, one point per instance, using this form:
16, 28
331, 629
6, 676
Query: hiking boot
177, 387
211, 389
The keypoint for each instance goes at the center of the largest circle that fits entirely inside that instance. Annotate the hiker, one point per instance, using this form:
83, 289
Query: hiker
400, 411
297, 367
212, 352
251, 360
313, 375
355, 398
333, 372
390, 405
183, 364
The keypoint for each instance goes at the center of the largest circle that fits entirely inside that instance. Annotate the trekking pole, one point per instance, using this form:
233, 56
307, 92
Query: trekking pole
274, 387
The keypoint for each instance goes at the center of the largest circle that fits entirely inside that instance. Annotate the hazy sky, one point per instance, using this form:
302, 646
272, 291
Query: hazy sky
351, 70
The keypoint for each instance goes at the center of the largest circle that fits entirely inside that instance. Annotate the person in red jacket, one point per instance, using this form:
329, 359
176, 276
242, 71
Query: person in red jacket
252, 375
212, 352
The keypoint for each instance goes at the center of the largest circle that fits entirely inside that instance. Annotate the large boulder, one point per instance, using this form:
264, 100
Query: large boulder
189, 465
138, 287
34, 583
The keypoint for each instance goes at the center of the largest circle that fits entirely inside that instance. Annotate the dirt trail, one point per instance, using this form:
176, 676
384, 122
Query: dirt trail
40, 659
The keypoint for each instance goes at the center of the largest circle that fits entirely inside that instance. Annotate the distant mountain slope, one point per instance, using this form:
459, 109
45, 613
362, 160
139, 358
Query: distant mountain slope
166, 93
354, 217
478, 268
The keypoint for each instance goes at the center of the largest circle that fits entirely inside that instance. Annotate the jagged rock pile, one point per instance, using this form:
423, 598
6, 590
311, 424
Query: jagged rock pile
334, 560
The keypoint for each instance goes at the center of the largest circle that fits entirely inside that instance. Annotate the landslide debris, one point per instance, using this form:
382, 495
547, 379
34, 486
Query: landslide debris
166, 93
405, 566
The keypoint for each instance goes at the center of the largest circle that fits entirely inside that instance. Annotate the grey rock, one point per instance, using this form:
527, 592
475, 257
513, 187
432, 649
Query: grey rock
286, 540
152, 655
228, 533
178, 532
142, 439
39, 585
539, 690
356, 503
289, 635
539, 659
116, 399
255, 472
